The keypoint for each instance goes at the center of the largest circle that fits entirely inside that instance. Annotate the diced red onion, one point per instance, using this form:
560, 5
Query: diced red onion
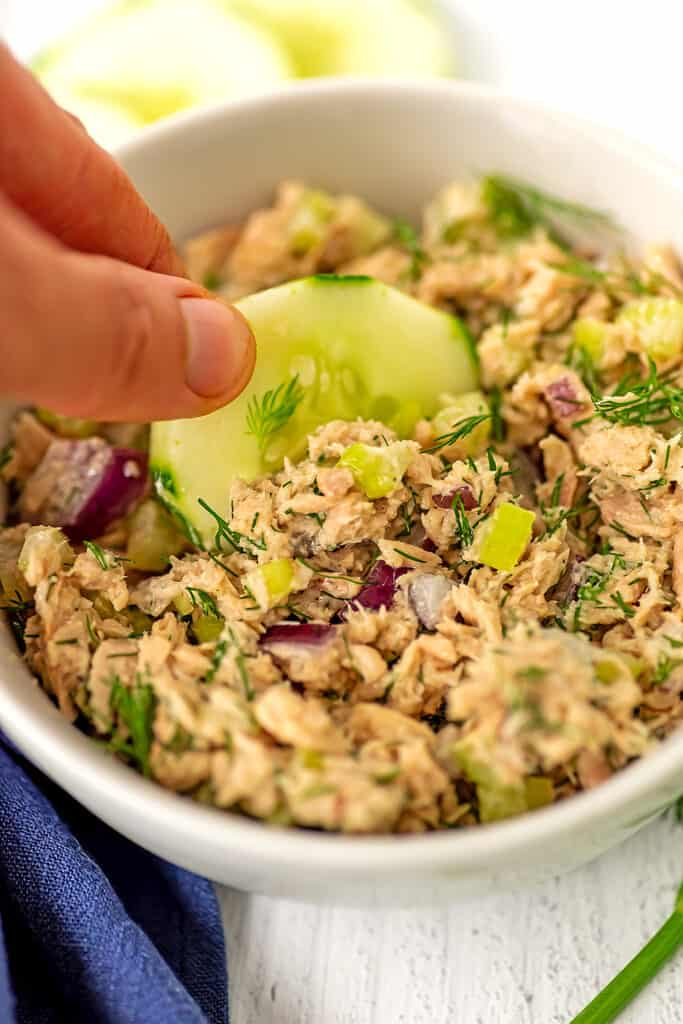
466, 496
83, 486
419, 539
426, 592
563, 398
282, 638
380, 588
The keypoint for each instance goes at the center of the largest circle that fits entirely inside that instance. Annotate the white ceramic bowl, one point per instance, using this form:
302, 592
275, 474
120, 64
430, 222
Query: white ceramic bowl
395, 144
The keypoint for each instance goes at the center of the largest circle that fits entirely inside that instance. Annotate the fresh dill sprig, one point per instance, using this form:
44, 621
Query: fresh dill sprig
239, 542
98, 553
218, 655
463, 528
619, 601
575, 267
515, 208
272, 411
135, 707
407, 235
330, 575
461, 428
581, 361
497, 421
241, 666
653, 401
204, 601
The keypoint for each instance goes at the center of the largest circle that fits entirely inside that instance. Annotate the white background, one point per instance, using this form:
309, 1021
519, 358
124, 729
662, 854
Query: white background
530, 957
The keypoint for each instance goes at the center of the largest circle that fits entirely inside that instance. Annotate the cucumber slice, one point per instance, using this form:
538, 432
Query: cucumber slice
141, 60
329, 348
347, 37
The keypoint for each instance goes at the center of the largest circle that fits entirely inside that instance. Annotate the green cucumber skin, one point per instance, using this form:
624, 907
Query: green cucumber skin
385, 351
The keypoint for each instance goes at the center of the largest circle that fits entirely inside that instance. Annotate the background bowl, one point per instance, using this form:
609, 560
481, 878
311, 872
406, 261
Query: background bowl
395, 144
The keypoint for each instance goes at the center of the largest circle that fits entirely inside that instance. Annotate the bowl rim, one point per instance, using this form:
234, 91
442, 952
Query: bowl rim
48, 734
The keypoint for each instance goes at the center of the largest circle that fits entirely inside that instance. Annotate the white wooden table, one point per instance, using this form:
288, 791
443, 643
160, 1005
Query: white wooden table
532, 957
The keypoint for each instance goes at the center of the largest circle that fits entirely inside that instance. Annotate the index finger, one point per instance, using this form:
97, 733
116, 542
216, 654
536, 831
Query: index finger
64, 181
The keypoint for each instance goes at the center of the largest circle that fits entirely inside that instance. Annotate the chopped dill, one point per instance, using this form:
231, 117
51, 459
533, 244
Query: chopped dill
411, 558
241, 666
330, 575
665, 667
272, 411
653, 401
406, 234
203, 601
135, 707
618, 600
461, 428
216, 659
239, 542
98, 553
515, 208
463, 528
497, 422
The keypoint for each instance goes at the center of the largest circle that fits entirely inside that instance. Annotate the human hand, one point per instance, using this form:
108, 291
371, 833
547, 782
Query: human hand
97, 320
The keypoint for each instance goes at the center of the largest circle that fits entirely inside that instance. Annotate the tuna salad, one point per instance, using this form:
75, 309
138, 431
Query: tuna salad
399, 625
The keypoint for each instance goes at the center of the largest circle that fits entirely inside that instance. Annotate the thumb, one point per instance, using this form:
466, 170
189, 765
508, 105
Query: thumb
89, 336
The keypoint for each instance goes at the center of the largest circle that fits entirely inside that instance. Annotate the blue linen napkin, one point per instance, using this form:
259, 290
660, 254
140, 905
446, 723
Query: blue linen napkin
93, 929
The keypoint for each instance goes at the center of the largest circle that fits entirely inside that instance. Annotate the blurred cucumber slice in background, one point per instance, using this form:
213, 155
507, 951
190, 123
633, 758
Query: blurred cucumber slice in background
355, 37
140, 60
137, 61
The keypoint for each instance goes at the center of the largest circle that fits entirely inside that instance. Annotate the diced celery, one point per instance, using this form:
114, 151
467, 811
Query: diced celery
539, 791
658, 322
505, 537
498, 802
271, 583
312, 760
207, 628
152, 539
612, 665
183, 603
67, 426
458, 409
308, 225
377, 471
589, 335
278, 576
139, 621
496, 799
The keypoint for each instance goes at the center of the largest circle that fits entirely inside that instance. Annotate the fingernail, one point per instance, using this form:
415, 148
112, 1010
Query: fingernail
220, 348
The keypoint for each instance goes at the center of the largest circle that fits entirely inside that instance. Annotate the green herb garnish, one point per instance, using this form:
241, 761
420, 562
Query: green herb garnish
621, 991
239, 542
461, 428
98, 553
463, 528
406, 234
135, 707
216, 659
515, 208
653, 401
272, 411
204, 601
